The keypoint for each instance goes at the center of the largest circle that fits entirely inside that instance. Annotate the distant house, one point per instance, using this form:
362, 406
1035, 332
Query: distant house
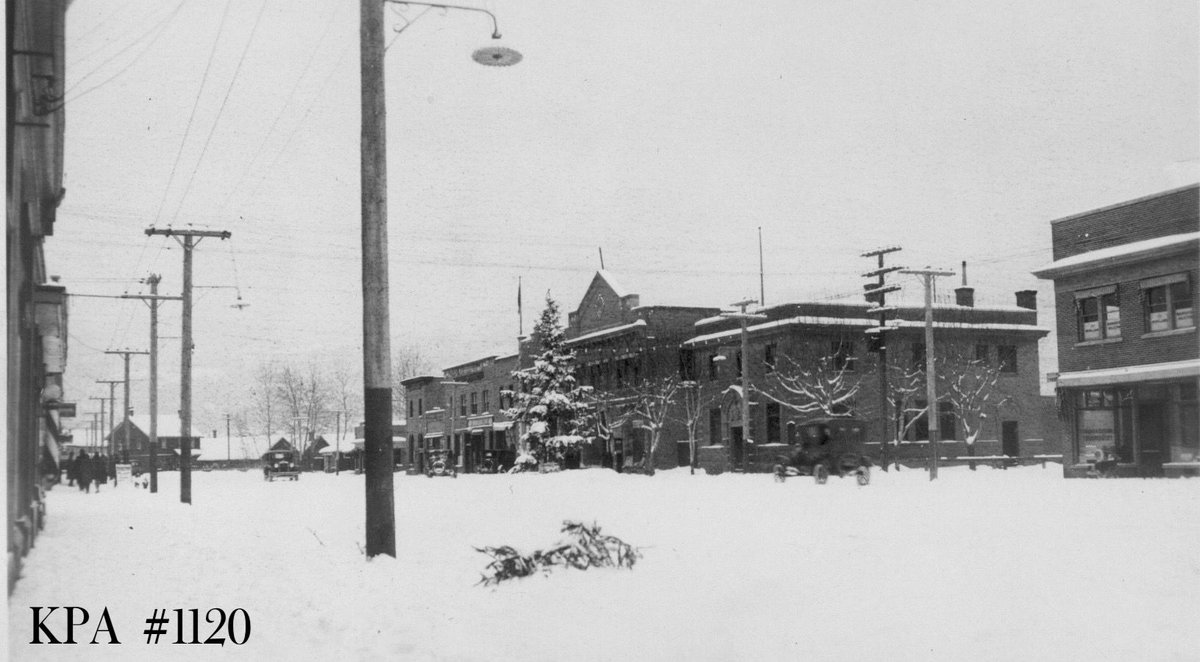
283, 445
135, 447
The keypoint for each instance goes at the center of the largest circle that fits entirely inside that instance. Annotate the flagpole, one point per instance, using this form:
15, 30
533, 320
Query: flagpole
520, 315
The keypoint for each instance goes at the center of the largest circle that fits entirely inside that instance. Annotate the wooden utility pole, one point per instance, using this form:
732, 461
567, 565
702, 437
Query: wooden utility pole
100, 426
377, 379
878, 291
762, 283
112, 411
745, 318
187, 239
152, 300
228, 456
125, 354
927, 274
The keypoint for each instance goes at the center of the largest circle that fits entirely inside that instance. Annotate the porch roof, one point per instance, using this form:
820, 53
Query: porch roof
1129, 374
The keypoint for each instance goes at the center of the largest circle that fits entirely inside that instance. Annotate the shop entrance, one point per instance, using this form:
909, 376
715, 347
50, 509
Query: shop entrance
1010, 442
1151, 431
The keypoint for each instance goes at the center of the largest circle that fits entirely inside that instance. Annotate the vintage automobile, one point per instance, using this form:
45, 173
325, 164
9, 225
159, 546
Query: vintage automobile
490, 462
438, 462
827, 446
281, 465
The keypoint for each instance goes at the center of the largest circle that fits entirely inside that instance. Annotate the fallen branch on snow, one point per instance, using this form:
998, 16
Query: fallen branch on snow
584, 547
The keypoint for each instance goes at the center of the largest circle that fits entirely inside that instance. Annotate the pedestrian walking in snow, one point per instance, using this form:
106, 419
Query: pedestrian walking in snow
71, 474
83, 471
99, 470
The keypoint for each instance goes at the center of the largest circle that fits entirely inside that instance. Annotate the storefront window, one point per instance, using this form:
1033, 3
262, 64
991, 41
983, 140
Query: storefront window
1104, 425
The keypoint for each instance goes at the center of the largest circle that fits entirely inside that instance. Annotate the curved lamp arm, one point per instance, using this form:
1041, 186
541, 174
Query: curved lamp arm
495, 26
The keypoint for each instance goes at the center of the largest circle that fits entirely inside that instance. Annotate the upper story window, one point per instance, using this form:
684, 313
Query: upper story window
420, 406
1097, 314
769, 357
1167, 302
918, 356
1006, 356
843, 355
982, 354
474, 402
462, 404
713, 364
687, 365
410, 408
487, 405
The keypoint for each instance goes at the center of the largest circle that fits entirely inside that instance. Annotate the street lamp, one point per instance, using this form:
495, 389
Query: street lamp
377, 381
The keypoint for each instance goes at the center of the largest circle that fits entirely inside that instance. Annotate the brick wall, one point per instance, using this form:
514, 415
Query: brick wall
1132, 348
1173, 212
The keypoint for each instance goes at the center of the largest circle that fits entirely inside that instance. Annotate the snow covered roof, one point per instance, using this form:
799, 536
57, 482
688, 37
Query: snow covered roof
868, 324
1134, 373
168, 426
235, 448
1130, 252
777, 324
603, 333
983, 326
612, 281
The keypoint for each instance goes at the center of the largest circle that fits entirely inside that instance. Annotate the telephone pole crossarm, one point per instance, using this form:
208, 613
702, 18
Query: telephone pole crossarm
188, 239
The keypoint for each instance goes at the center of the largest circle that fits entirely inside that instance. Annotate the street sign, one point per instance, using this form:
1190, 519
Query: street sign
64, 409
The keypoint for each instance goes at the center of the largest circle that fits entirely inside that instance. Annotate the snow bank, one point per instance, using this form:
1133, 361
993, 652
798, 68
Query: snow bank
1016, 564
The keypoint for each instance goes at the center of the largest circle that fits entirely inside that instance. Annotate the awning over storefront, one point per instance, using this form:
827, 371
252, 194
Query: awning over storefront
433, 435
1130, 374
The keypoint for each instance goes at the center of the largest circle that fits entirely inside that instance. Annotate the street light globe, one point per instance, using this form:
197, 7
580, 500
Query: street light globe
496, 56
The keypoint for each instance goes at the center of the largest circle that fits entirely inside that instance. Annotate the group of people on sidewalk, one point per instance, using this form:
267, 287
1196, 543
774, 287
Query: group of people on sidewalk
84, 470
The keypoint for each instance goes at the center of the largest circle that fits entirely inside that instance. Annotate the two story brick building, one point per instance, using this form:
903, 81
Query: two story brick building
813, 359
1129, 359
462, 411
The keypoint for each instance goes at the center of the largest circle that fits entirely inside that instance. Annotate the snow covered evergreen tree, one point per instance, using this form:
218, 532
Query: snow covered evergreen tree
549, 402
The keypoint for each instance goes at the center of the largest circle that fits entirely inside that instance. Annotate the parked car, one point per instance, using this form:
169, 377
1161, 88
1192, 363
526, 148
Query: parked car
439, 462
828, 446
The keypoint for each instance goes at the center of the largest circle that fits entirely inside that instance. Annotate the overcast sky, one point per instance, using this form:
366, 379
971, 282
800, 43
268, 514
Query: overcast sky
665, 133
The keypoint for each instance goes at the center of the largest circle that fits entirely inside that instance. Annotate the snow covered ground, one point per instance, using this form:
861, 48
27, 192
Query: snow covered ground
985, 565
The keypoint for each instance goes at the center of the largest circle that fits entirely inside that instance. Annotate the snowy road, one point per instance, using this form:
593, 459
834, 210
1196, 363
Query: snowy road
986, 565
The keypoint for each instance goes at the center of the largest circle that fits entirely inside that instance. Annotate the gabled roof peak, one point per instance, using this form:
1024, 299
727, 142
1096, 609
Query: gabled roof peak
608, 277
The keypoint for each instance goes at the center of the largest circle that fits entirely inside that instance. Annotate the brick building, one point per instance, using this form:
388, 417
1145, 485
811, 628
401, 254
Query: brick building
1129, 363
36, 307
620, 347
461, 411
811, 360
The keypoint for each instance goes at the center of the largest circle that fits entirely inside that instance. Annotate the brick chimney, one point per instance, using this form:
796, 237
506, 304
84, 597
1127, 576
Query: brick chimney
965, 296
1027, 299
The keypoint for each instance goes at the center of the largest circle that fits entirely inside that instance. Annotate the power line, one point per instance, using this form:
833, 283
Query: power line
192, 116
162, 26
220, 111
287, 102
